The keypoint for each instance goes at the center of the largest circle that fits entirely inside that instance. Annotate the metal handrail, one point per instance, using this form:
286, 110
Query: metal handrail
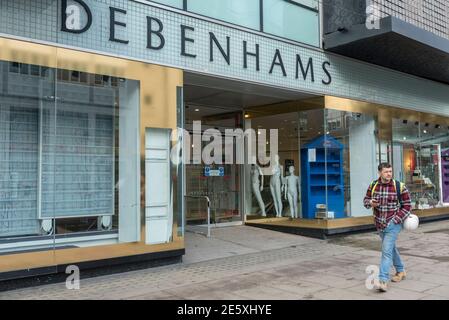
208, 210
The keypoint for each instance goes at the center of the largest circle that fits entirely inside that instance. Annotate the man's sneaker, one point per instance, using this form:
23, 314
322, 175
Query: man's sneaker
399, 276
382, 286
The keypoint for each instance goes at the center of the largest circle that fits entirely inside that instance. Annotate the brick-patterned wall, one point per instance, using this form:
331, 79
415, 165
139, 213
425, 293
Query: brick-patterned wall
430, 15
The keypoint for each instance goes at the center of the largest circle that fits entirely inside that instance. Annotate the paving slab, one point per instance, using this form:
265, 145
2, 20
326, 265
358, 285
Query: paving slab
250, 263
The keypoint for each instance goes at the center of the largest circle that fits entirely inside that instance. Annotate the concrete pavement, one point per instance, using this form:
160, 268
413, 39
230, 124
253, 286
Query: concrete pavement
249, 263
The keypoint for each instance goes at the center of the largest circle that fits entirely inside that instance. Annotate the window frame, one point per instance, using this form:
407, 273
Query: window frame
261, 28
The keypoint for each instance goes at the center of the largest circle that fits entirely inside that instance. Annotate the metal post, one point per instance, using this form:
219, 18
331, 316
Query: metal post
208, 216
208, 210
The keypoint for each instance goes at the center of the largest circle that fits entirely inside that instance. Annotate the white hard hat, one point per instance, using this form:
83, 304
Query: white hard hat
411, 222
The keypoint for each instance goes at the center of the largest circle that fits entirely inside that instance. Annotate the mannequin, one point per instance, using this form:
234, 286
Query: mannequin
258, 186
291, 192
276, 183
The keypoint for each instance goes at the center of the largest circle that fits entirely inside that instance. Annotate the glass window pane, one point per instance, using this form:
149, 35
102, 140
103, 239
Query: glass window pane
265, 195
22, 102
444, 166
35, 70
351, 148
24, 68
14, 67
291, 21
245, 13
309, 3
406, 138
421, 154
313, 165
89, 172
173, 3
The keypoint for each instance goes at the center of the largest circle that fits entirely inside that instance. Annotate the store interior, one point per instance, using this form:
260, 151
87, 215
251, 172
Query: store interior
420, 154
328, 154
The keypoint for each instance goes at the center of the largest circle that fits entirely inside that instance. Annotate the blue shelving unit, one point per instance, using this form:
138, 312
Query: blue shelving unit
328, 165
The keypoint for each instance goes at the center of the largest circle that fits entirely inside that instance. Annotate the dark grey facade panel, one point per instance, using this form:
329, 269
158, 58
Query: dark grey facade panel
396, 44
431, 16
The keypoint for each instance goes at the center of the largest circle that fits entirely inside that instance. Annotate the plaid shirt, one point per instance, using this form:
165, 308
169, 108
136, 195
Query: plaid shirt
389, 207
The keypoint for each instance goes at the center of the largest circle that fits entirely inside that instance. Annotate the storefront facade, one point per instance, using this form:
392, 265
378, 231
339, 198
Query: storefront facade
93, 97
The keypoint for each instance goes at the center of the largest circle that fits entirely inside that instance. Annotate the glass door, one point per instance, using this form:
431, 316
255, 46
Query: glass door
216, 178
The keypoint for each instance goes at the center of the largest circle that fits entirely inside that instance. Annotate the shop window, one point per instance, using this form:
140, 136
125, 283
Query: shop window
44, 71
24, 68
83, 77
331, 153
75, 76
356, 133
98, 80
14, 67
420, 156
69, 158
34, 70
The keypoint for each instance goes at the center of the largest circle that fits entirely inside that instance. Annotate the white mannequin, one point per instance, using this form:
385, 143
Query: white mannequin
277, 180
258, 186
291, 192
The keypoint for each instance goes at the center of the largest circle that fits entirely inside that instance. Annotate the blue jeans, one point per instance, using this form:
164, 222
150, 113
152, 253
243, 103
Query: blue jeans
390, 254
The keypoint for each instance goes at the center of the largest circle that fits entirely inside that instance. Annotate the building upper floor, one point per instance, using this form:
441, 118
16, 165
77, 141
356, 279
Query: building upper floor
297, 20
411, 36
429, 15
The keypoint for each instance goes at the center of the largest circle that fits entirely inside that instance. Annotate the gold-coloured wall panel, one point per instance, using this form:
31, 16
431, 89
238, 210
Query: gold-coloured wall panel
25, 52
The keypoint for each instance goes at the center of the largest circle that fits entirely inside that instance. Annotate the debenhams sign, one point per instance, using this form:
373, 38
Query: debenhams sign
77, 18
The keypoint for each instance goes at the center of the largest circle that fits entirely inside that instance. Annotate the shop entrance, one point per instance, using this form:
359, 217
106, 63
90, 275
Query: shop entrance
214, 106
216, 184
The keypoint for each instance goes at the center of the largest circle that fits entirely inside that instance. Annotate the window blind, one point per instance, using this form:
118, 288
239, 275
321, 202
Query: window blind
77, 162
18, 170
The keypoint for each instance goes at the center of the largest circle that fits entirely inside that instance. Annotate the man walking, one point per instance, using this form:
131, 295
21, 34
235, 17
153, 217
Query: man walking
391, 203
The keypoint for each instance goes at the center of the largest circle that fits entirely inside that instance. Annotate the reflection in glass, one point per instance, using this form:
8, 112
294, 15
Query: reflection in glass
420, 157
289, 20
245, 13
357, 133
271, 180
69, 160
219, 182
173, 3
